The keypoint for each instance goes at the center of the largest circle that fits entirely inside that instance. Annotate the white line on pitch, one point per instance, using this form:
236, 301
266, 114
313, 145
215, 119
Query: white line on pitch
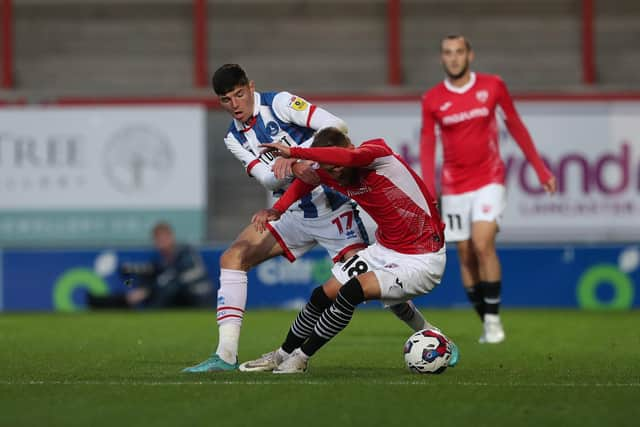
311, 382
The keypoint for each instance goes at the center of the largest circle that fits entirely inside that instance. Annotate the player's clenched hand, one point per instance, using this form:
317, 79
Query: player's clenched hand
282, 149
550, 185
306, 172
282, 168
261, 218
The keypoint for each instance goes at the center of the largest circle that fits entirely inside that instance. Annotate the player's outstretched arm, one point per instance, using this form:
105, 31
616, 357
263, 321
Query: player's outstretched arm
428, 148
521, 135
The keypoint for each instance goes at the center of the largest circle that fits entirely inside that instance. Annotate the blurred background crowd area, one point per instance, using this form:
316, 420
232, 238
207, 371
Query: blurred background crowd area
153, 47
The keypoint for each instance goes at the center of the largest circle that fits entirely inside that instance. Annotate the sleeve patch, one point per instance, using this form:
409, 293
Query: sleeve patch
298, 103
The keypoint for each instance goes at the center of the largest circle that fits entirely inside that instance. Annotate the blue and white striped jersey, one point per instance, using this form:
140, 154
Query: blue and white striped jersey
281, 116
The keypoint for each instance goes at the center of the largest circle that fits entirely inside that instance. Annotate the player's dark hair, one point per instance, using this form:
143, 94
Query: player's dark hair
330, 137
467, 43
227, 78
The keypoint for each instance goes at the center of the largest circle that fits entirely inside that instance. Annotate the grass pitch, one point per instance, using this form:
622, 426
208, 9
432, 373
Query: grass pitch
562, 368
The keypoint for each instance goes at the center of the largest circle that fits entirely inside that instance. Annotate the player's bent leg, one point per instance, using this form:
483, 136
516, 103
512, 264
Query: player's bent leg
248, 250
306, 320
299, 331
333, 320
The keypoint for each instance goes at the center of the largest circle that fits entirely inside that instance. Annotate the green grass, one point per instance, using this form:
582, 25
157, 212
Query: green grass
563, 368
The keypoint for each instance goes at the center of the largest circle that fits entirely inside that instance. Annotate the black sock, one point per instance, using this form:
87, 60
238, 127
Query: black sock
335, 318
474, 293
491, 296
306, 320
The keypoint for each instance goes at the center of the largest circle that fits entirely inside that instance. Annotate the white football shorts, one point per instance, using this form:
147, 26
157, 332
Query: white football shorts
459, 211
338, 232
401, 276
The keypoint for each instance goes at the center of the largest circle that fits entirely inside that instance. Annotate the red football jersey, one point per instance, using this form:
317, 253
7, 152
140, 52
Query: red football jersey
466, 117
387, 188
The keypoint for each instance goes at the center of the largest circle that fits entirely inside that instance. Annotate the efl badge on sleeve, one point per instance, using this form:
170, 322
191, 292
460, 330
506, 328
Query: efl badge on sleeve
298, 104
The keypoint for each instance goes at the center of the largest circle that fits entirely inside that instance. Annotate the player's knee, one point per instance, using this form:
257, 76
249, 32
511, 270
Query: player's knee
236, 257
331, 289
320, 299
467, 257
484, 249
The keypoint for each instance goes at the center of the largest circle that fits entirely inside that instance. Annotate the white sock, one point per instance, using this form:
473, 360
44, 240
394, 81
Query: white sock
491, 318
232, 300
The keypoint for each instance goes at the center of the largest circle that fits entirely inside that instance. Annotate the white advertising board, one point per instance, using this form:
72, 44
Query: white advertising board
94, 175
593, 148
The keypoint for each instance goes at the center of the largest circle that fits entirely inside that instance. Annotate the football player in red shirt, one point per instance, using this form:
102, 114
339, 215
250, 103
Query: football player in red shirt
407, 260
463, 107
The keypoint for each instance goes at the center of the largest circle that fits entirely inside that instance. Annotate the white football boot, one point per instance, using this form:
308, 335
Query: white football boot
493, 331
296, 363
266, 363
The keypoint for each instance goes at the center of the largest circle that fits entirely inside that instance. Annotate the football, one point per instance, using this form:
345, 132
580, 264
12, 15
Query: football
427, 352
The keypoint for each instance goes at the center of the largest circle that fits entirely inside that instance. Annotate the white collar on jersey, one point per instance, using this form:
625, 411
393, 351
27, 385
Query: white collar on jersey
461, 89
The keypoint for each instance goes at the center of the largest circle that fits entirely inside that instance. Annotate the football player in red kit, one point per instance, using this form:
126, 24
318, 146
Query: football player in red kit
407, 260
464, 106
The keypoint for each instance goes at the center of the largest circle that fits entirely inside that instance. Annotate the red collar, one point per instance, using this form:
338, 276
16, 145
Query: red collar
249, 124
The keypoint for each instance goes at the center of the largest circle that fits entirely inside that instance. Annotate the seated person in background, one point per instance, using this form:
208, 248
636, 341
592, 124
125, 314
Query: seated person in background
176, 277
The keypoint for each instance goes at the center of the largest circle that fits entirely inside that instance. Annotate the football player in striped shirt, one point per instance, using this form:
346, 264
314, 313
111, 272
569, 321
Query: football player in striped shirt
323, 217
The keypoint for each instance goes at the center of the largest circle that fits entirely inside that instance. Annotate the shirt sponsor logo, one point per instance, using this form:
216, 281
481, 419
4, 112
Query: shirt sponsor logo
465, 115
357, 191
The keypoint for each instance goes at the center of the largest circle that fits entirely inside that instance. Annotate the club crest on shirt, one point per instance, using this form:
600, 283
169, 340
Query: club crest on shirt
272, 128
298, 103
482, 95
